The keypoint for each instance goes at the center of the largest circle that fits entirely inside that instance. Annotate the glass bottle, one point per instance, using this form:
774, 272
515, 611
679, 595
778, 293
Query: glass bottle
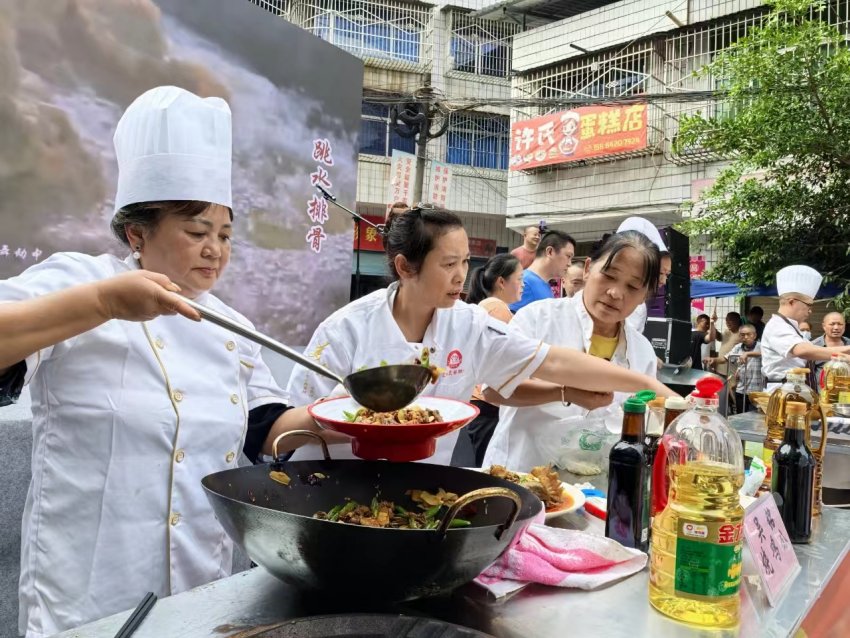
835, 382
794, 475
627, 520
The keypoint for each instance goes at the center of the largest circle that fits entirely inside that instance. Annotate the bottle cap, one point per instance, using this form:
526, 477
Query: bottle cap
795, 407
676, 403
637, 404
802, 371
707, 388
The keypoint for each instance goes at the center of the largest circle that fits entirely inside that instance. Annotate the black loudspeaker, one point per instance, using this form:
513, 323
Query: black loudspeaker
670, 338
677, 293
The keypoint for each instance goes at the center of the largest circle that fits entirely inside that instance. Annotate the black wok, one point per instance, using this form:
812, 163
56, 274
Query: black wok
274, 524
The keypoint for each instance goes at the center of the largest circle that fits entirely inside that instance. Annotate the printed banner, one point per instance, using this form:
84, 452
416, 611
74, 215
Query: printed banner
402, 172
441, 179
582, 133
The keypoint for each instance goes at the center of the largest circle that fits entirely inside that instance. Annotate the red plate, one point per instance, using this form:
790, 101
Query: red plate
410, 442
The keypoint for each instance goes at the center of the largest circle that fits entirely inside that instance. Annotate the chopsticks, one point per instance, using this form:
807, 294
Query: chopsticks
137, 616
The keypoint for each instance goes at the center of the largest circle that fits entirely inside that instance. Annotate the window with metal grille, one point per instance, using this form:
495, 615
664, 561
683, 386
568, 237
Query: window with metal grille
393, 31
481, 46
481, 140
277, 7
376, 134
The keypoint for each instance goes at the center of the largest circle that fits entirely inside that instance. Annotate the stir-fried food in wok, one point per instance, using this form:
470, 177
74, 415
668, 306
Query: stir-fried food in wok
413, 415
543, 481
427, 512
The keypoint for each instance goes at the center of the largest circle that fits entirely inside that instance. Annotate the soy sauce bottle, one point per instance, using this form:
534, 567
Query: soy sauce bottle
793, 476
627, 521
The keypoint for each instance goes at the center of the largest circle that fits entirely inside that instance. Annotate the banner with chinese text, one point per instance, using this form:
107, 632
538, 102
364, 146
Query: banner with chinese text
582, 133
441, 179
369, 237
402, 172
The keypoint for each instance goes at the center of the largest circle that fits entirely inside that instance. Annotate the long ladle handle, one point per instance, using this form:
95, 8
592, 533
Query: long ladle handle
258, 337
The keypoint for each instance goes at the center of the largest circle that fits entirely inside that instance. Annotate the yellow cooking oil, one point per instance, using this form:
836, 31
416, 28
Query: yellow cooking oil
697, 538
695, 564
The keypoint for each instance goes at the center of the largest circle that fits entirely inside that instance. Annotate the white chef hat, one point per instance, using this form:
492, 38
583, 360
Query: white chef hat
645, 228
800, 280
173, 145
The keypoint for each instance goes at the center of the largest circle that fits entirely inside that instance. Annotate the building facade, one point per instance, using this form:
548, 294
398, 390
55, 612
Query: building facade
415, 48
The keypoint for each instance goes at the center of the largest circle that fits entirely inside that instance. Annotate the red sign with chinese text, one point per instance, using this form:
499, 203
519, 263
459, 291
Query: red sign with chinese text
480, 247
696, 268
371, 238
582, 133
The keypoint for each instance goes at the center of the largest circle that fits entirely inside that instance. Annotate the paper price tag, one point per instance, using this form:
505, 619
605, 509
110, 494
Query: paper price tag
772, 551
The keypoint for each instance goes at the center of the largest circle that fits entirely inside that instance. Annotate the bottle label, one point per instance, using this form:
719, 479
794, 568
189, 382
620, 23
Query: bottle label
708, 558
590, 440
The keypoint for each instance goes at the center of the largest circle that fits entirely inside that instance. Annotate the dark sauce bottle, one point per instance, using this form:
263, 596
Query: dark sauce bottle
793, 476
627, 521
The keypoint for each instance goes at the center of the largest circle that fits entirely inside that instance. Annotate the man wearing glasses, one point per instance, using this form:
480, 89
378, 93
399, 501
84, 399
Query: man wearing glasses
783, 345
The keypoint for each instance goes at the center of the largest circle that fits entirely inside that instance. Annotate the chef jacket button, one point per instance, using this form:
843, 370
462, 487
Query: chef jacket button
175, 518
234, 399
230, 345
160, 344
179, 456
230, 456
177, 395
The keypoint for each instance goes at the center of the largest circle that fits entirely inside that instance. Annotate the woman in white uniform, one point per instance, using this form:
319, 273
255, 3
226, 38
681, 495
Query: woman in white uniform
128, 417
428, 254
618, 277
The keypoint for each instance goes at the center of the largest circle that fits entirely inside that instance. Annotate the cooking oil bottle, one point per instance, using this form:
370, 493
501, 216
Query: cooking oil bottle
835, 382
695, 561
795, 389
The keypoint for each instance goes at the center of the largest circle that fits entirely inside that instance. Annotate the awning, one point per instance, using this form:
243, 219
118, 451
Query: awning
704, 289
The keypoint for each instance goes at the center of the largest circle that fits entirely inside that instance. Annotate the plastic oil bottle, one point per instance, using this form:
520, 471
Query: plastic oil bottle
697, 539
835, 382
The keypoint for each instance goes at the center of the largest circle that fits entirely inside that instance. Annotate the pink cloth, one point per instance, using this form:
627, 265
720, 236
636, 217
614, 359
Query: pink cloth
561, 558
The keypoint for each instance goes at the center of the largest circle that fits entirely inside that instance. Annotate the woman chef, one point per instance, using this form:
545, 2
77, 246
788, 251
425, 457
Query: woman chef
428, 254
128, 417
617, 278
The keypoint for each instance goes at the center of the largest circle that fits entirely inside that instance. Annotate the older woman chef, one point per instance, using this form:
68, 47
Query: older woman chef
128, 417
428, 254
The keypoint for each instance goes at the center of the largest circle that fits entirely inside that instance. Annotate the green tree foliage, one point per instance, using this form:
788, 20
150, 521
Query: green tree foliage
785, 124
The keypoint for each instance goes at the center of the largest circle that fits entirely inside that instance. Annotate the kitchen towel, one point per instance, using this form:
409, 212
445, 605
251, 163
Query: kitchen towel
560, 558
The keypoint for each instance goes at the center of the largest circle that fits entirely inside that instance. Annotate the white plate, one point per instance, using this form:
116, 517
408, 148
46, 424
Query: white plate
572, 491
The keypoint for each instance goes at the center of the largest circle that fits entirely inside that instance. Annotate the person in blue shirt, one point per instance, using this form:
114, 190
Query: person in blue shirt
554, 254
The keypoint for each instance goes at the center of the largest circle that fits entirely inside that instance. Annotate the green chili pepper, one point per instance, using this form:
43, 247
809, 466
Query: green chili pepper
460, 522
333, 515
412, 523
432, 511
348, 507
374, 507
431, 525
349, 416
401, 511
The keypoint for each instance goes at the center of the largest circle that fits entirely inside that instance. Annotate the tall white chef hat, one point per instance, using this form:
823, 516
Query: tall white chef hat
173, 145
800, 280
645, 228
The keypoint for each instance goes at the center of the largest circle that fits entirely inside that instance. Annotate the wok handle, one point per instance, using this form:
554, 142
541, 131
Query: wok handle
281, 436
258, 337
477, 495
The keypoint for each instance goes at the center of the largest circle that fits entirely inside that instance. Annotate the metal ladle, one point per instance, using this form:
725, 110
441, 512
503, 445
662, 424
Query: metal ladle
382, 389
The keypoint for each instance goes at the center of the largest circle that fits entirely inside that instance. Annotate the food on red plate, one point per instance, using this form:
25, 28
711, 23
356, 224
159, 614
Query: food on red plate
413, 415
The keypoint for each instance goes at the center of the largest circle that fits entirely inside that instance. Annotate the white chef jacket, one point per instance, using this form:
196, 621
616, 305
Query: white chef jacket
531, 436
471, 346
779, 338
127, 420
637, 319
